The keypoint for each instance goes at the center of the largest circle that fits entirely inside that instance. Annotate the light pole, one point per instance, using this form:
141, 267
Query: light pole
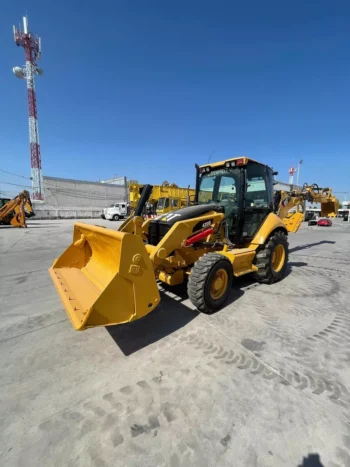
299, 164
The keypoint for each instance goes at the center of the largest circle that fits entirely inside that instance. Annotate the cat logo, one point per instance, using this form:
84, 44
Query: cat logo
206, 224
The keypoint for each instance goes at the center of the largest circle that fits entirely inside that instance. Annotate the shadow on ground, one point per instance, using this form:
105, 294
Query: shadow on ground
171, 315
310, 245
248, 280
168, 317
294, 264
312, 460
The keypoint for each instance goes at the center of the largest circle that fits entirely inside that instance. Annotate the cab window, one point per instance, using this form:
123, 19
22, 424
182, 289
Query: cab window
257, 195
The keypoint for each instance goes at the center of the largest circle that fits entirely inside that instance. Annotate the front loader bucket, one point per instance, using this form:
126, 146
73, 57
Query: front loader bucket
329, 208
105, 277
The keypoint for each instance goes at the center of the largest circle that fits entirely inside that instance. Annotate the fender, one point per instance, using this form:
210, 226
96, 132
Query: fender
271, 223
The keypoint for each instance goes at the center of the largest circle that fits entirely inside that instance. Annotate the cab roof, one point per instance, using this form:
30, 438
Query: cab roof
244, 159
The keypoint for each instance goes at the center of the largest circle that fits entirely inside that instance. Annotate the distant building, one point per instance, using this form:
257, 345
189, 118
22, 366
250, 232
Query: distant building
68, 198
115, 181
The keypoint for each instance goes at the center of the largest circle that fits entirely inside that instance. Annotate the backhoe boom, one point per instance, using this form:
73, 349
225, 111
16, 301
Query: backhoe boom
14, 211
286, 201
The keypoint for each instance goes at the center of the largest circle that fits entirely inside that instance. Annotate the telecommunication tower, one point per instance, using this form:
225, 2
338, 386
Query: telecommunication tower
291, 172
32, 49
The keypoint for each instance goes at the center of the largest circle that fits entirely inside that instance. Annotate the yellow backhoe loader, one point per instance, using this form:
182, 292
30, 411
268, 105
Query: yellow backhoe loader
16, 210
237, 226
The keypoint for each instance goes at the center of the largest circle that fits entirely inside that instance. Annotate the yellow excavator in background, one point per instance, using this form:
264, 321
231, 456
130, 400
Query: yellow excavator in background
290, 206
16, 210
237, 226
163, 198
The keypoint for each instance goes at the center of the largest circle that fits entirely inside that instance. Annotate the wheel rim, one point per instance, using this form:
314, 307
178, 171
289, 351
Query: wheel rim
218, 284
278, 258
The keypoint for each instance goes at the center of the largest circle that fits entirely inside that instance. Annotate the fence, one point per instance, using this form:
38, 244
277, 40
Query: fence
66, 213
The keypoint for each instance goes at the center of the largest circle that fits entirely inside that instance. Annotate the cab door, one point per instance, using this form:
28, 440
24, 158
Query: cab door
258, 201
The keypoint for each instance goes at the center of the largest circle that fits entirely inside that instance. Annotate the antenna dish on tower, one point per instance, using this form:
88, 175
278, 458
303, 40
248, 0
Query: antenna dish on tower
18, 71
39, 71
25, 25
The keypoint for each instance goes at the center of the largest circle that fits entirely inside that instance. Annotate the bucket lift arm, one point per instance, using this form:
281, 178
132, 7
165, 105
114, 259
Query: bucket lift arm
285, 201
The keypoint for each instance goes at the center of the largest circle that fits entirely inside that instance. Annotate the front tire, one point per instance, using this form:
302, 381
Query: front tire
116, 217
210, 282
272, 259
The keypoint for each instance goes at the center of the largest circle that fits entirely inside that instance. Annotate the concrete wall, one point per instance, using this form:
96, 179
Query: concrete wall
284, 186
66, 198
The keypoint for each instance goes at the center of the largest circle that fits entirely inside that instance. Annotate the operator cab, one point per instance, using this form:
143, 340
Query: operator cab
243, 188
240, 188
167, 204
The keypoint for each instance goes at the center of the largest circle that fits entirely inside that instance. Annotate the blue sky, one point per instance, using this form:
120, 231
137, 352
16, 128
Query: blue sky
147, 88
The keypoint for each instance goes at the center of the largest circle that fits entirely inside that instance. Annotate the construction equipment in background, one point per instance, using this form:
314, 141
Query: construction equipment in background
115, 212
3, 201
290, 206
16, 210
164, 198
235, 227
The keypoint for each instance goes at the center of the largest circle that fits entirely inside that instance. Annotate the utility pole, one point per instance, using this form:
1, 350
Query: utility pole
299, 164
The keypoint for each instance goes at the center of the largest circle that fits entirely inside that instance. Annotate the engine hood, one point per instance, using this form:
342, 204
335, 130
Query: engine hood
190, 212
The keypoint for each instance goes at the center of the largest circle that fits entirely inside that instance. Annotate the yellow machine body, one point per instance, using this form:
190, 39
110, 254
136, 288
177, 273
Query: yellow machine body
108, 277
171, 203
104, 277
15, 210
330, 209
292, 205
172, 197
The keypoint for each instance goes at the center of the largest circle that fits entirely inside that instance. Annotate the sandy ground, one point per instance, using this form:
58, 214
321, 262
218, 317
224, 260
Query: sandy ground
263, 382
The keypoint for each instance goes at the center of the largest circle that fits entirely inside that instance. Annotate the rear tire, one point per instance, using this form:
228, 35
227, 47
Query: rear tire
116, 217
272, 259
210, 282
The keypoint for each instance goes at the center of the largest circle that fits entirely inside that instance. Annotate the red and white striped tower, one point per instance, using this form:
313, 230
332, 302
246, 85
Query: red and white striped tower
32, 49
291, 172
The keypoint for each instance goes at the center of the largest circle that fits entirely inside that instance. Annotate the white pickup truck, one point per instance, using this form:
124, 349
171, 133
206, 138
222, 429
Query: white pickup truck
115, 212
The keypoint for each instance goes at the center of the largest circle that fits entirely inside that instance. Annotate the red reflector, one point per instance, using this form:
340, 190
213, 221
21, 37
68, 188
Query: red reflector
239, 161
